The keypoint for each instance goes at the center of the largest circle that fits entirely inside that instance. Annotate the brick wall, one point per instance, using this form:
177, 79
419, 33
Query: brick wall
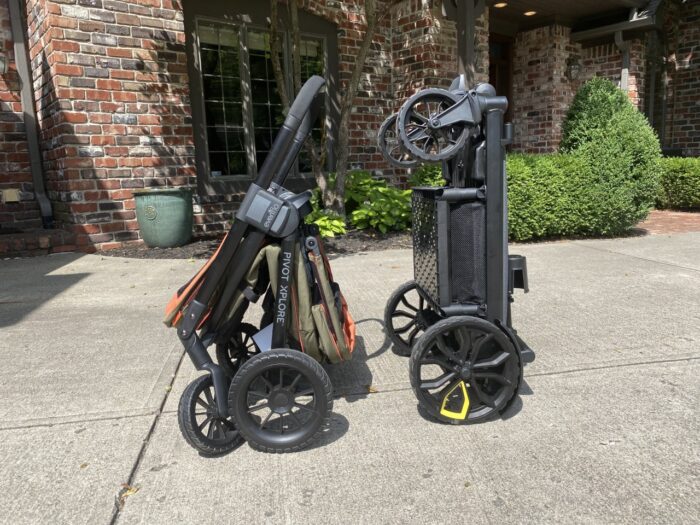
542, 93
424, 48
15, 169
111, 87
682, 32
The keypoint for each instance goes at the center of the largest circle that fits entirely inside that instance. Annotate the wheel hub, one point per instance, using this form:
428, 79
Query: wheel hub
466, 372
280, 400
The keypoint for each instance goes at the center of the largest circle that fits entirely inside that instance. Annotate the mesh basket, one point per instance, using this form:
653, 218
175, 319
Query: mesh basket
449, 248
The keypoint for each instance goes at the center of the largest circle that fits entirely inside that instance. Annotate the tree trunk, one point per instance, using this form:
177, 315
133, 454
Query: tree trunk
335, 197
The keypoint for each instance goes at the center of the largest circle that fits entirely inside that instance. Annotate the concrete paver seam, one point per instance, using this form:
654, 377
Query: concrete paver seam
142, 452
585, 245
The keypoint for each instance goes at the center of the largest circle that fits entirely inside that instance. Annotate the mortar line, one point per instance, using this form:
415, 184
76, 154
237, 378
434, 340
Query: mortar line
584, 245
142, 452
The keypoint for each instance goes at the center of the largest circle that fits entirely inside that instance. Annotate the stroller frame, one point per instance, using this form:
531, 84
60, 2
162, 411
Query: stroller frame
266, 210
464, 275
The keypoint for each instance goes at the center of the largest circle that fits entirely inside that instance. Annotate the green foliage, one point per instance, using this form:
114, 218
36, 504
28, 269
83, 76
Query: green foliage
329, 223
594, 104
385, 209
427, 175
369, 202
564, 195
680, 184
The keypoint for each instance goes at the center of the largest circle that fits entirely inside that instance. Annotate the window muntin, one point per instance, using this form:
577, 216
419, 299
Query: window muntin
231, 57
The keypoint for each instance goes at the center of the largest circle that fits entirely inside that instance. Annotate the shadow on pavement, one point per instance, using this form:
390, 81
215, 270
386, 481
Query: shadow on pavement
26, 284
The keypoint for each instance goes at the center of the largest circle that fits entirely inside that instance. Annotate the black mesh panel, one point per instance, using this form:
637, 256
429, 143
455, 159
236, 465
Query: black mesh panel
468, 252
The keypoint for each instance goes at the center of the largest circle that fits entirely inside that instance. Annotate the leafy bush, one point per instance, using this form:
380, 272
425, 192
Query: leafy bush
329, 223
369, 202
564, 195
427, 175
680, 184
594, 104
385, 209
551, 196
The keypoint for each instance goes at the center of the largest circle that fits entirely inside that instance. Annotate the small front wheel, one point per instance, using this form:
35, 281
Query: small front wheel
199, 423
406, 316
281, 400
422, 135
391, 147
237, 350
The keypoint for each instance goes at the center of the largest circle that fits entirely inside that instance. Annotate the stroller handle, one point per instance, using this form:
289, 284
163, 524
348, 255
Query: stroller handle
291, 136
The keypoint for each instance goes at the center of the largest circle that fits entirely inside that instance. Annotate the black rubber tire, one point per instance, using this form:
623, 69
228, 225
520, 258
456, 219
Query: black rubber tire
406, 161
406, 117
401, 347
187, 420
290, 361
513, 373
227, 362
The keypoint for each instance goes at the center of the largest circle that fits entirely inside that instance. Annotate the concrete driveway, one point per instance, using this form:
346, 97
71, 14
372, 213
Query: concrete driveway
605, 430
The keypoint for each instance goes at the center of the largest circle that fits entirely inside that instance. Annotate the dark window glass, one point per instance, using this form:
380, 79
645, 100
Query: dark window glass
220, 55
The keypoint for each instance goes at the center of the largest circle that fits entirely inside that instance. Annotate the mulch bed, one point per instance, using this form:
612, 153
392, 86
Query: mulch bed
352, 242
659, 222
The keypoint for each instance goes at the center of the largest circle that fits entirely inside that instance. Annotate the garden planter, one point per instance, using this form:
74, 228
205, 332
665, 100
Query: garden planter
164, 216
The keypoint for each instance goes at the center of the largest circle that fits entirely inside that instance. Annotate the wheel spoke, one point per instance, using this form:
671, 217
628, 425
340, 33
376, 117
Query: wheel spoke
210, 430
495, 377
486, 399
401, 313
434, 360
281, 383
264, 421
258, 407
201, 403
259, 395
405, 302
412, 335
210, 398
204, 423
492, 362
295, 418
306, 392
438, 381
265, 380
405, 328
304, 407
465, 341
479, 346
294, 383
442, 346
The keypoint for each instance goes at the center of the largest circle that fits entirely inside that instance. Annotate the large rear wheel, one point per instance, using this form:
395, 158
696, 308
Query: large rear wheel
281, 400
464, 370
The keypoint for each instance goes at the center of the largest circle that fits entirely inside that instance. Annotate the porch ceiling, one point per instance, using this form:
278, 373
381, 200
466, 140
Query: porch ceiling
581, 14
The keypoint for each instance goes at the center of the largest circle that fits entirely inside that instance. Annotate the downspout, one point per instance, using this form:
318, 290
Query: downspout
30, 124
624, 47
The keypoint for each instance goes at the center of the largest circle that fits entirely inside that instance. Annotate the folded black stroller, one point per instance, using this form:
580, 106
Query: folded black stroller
268, 386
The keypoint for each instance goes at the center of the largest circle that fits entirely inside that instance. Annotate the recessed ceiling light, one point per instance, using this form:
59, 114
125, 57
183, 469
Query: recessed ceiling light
500, 5
530, 13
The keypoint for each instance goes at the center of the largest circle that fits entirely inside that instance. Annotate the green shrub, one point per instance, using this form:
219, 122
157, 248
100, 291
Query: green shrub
329, 223
385, 209
552, 196
680, 184
369, 203
427, 175
594, 104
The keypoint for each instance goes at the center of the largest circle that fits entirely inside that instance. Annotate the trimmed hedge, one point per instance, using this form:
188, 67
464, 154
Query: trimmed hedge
593, 105
680, 184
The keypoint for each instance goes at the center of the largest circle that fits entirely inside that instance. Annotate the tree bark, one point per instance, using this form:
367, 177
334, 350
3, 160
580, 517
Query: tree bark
275, 51
335, 197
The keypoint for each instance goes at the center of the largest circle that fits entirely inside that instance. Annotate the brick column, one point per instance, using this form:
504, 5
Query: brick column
112, 98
